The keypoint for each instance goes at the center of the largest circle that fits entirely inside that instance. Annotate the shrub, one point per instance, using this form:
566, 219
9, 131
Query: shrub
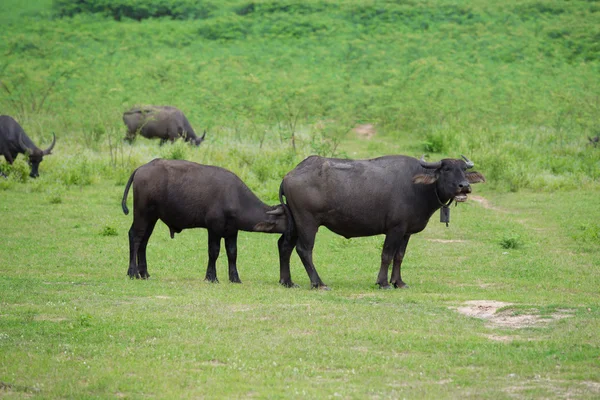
175, 151
137, 10
109, 231
511, 240
18, 171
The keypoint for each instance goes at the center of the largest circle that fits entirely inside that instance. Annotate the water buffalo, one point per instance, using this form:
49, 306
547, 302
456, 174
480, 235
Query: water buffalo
13, 141
163, 122
186, 195
391, 195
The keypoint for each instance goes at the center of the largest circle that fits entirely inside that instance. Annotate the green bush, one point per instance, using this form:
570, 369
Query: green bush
177, 150
136, 9
109, 231
17, 172
511, 240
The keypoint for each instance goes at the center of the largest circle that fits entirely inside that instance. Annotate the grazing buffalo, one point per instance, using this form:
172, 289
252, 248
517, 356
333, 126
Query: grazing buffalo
186, 195
392, 195
163, 122
13, 141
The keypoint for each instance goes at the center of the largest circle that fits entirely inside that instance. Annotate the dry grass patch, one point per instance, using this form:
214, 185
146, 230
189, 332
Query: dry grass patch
500, 315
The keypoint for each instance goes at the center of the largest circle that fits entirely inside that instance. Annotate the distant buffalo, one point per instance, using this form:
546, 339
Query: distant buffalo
13, 141
163, 122
187, 195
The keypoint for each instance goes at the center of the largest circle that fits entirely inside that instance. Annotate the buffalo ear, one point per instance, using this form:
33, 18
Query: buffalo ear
474, 177
425, 179
264, 226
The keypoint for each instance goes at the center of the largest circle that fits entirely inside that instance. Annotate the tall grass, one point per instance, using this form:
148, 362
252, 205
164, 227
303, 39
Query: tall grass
513, 85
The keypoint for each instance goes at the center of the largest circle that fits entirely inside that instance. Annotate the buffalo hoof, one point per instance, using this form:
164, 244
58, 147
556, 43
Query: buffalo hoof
211, 280
400, 285
385, 287
322, 287
235, 281
288, 284
133, 274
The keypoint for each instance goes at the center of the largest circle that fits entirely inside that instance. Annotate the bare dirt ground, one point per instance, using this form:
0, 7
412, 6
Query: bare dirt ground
485, 203
507, 318
366, 131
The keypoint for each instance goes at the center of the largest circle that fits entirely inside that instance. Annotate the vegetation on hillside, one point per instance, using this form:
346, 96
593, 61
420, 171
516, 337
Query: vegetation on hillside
514, 85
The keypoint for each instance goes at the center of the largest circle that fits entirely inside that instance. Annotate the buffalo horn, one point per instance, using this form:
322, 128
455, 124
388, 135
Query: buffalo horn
203, 135
22, 144
429, 165
277, 211
49, 149
470, 163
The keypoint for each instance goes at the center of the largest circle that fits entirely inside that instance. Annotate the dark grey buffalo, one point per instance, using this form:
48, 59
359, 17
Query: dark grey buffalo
13, 141
163, 122
391, 195
186, 195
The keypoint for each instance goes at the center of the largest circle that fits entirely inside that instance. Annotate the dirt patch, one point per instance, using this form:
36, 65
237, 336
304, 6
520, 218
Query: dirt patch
485, 203
507, 318
555, 389
241, 308
49, 318
366, 131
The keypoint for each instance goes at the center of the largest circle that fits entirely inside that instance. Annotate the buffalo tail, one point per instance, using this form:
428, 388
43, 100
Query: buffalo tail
126, 192
288, 213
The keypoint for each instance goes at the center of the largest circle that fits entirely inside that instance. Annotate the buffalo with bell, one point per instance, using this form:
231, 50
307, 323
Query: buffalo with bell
392, 195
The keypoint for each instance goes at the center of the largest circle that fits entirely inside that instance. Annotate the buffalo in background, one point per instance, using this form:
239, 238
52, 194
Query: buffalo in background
14, 140
187, 195
163, 122
392, 195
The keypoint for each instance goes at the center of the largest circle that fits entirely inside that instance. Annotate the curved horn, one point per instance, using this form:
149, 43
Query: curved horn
429, 165
203, 135
23, 145
276, 211
49, 149
470, 163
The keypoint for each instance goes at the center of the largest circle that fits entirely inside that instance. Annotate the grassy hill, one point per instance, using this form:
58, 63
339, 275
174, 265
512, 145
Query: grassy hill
515, 84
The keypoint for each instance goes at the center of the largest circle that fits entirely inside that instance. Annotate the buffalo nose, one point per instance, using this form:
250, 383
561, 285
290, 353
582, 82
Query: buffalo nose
34, 175
464, 186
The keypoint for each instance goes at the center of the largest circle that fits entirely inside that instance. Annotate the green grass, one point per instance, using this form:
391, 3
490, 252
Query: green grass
513, 86
80, 328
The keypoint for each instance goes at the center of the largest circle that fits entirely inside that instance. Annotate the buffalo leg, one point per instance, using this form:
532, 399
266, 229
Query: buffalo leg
396, 279
141, 254
214, 247
392, 242
9, 158
304, 248
231, 248
139, 233
286, 244
133, 272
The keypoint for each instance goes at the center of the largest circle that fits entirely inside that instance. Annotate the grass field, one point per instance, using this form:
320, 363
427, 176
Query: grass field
73, 325
504, 303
